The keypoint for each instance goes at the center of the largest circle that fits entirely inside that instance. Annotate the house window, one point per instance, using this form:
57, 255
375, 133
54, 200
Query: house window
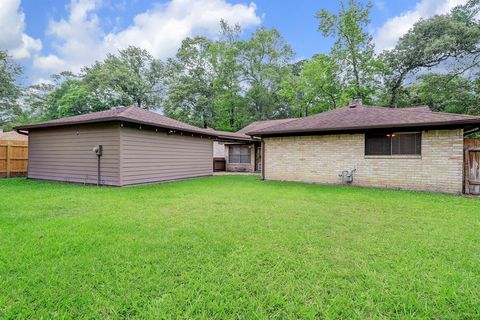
239, 154
397, 143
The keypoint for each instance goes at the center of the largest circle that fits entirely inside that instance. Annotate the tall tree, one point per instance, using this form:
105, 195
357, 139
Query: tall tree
133, 76
265, 61
316, 88
9, 88
434, 41
353, 49
229, 104
190, 82
445, 93
67, 95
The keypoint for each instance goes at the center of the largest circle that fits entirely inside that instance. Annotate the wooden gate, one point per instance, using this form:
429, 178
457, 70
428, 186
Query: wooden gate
13, 158
472, 166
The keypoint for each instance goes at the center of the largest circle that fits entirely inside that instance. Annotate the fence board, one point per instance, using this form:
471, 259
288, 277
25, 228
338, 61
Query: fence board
472, 166
13, 158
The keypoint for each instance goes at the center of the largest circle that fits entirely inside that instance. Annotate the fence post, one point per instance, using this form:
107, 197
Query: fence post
9, 155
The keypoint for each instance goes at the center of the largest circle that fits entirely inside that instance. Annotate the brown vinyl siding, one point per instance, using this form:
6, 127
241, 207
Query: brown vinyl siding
60, 154
150, 156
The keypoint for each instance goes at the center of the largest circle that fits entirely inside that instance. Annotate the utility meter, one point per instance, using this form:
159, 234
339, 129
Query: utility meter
98, 150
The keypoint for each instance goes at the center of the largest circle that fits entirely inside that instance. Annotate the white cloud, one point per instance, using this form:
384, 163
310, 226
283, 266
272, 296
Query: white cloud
50, 63
37, 81
79, 39
12, 27
162, 29
388, 34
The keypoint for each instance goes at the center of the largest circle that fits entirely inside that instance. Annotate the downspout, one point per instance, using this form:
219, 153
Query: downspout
99, 177
98, 150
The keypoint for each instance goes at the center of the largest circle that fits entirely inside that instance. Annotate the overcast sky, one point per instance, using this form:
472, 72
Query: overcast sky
49, 36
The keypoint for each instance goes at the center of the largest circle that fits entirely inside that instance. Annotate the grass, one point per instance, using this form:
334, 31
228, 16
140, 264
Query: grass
236, 247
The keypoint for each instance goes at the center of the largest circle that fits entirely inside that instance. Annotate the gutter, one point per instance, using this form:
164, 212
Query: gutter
25, 133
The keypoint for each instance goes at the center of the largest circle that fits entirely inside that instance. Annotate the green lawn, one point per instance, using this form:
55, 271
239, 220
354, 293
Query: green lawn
236, 247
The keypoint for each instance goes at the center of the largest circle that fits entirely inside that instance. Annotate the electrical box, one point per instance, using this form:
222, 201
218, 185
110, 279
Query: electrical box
347, 176
98, 150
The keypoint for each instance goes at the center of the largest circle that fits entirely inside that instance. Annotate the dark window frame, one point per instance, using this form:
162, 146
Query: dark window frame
240, 158
389, 144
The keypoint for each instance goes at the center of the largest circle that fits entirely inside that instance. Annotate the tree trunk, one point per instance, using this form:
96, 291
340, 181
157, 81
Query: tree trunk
394, 90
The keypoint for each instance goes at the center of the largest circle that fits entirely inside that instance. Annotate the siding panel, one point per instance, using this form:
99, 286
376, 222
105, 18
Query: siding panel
65, 153
149, 156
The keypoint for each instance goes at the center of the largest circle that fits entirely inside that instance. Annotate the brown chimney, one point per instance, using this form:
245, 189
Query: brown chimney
355, 103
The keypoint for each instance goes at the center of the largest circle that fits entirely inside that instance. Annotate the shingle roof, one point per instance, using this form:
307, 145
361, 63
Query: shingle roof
262, 124
368, 117
241, 134
128, 114
13, 136
232, 135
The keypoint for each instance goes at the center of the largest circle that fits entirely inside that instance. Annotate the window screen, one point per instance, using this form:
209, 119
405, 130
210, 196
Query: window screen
393, 144
406, 143
377, 144
239, 154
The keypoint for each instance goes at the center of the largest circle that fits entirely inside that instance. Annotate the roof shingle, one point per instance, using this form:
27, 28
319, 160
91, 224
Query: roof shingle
127, 114
13, 136
368, 117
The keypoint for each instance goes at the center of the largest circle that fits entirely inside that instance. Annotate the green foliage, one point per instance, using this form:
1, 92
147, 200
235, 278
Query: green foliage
353, 50
316, 88
132, 76
445, 93
191, 78
227, 83
431, 42
231, 248
265, 61
9, 89
66, 96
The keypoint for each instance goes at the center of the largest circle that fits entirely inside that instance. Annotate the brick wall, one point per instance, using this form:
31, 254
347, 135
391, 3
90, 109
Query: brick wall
218, 149
320, 159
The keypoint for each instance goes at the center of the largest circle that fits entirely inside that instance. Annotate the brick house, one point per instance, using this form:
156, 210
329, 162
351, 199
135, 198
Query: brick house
405, 148
238, 151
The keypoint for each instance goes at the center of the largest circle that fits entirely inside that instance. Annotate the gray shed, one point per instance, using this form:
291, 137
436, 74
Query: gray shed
137, 146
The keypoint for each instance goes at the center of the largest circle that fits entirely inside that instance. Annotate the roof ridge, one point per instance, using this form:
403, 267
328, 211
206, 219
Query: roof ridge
127, 109
441, 113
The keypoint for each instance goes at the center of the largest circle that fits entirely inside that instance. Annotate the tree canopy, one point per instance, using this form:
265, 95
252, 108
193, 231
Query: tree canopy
230, 81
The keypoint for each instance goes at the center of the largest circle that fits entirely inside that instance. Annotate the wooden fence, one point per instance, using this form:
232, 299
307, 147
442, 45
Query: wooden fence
472, 166
13, 158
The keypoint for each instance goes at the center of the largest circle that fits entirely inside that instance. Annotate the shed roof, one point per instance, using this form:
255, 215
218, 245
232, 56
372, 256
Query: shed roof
131, 114
369, 117
232, 135
241, 134
263, 124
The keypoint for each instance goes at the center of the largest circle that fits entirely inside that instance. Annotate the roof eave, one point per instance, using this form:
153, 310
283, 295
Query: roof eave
110, 119
227, 137
457, 123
